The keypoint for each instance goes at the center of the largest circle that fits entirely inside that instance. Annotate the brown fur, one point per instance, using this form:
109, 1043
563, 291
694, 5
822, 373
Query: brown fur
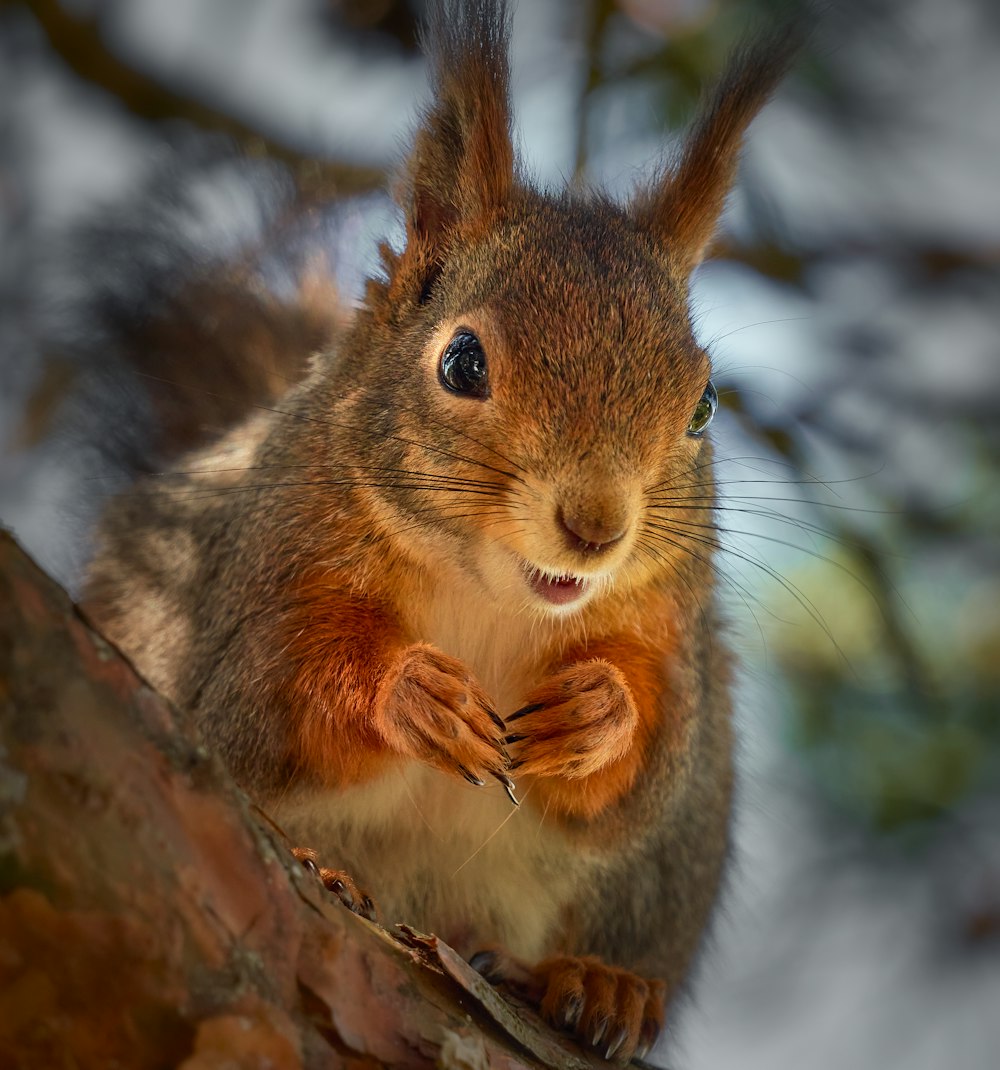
336, 588
684, 206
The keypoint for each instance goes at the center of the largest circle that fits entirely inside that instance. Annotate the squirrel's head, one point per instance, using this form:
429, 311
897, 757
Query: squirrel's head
540, 393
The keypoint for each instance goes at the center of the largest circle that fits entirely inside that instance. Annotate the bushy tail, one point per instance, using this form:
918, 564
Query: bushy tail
201, 298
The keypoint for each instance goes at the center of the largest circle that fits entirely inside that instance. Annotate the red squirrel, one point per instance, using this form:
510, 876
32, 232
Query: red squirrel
466, 562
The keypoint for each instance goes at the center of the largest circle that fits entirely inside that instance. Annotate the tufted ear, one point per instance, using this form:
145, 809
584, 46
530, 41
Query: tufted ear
461, 168
683, 207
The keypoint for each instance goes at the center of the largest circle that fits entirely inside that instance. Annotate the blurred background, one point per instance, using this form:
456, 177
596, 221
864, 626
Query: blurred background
853, 313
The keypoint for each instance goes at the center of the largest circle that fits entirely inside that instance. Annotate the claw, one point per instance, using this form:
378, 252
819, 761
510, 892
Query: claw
524, 711
598, 1035
471, 777
484, 962
495, 718
508, 786
572, 1011
615, 1044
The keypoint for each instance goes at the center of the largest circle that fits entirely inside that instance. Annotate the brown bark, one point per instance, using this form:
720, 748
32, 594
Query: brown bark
148, 918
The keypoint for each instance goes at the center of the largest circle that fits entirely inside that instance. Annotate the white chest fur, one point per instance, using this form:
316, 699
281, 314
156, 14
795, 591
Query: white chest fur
441, 854
446, 857
500, 648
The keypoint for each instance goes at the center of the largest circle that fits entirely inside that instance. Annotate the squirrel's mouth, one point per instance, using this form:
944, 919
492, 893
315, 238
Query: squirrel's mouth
556, 590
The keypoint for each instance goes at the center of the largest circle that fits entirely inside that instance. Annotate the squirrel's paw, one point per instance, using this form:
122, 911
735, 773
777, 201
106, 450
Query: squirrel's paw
576, 722
339, 883
430, 707
615, 1011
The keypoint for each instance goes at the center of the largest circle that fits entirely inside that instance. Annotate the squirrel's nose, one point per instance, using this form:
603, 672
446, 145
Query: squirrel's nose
590, 534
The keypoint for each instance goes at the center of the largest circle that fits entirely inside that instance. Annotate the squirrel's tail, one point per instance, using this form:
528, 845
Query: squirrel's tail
199, 299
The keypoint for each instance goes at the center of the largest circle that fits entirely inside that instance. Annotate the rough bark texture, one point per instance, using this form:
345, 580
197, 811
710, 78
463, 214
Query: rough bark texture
149, 918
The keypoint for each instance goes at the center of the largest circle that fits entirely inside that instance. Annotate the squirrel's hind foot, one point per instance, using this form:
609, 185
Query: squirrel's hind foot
614, 1011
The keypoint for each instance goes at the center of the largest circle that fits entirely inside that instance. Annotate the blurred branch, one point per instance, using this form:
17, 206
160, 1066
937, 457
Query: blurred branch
768, 258
777, 436
785, 265
915, 673
78, 41
597, 14
392, 18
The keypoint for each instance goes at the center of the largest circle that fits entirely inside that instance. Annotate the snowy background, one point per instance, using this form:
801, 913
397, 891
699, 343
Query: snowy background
854, 317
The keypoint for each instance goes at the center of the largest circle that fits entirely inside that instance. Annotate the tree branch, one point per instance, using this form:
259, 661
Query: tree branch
148, 919
79, 43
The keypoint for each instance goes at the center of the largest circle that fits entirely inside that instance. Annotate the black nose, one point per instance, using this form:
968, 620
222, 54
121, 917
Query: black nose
589, 535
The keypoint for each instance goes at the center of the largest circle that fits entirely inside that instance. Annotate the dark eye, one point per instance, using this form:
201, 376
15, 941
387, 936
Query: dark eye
704, 410
463, 366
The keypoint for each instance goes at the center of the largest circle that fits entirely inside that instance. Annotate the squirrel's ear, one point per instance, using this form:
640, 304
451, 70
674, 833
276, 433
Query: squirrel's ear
461, 169
684, 206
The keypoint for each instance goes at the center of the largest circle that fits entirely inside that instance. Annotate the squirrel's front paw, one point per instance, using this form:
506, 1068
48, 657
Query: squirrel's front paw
576, 722
431, 708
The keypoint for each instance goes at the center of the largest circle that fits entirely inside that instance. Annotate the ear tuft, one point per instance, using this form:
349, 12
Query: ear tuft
461, 169
683, 208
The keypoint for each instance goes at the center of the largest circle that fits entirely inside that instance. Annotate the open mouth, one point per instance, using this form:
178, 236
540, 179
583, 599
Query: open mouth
557, 590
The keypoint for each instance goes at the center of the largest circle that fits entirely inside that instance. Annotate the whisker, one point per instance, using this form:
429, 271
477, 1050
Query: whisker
176, 473
743, 593
815, 554
513, 811
771, 515
186, 494
458, 431
418, 525
413, 799
328, 422
743, 499
803, 599
760, 323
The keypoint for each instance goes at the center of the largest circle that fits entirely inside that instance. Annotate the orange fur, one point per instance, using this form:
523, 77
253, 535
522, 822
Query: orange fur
685, 204
429, 707
616, 1011
337, 650
362, 696
591, 737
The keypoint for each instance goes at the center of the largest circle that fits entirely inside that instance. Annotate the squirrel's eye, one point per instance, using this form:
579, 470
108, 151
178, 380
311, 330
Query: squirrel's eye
463, 366
704, 410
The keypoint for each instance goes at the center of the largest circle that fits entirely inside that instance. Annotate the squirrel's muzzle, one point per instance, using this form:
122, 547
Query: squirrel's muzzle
591, 532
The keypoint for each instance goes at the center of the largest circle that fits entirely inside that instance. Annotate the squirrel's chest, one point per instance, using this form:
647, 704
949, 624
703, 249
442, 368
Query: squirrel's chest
447, 857
439, 853
506, 654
